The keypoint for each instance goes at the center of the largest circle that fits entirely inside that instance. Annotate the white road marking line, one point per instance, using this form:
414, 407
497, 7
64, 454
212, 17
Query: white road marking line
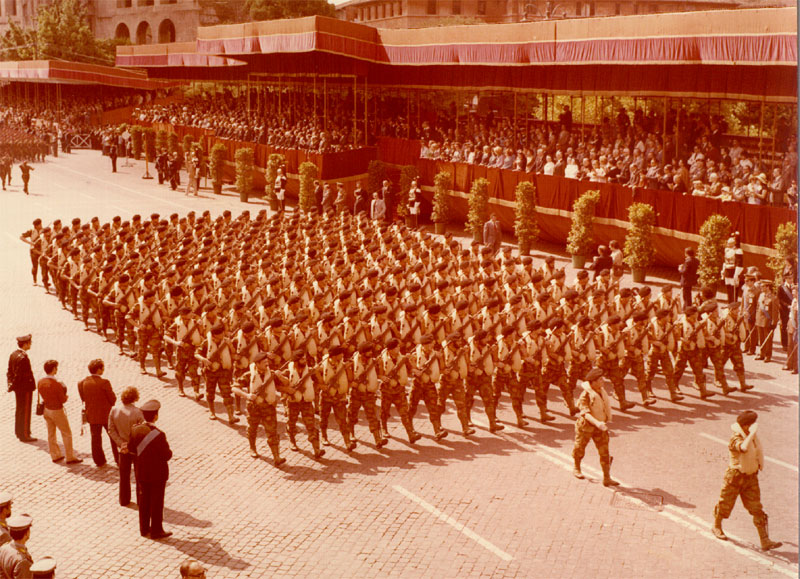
124, 188
769, 458
453, 523
790, 389
682, 517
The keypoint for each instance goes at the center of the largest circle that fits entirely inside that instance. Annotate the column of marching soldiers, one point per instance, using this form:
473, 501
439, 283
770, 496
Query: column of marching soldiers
334, 312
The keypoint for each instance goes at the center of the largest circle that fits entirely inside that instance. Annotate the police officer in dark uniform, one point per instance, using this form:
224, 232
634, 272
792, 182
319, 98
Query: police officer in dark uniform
22, 384
152, 454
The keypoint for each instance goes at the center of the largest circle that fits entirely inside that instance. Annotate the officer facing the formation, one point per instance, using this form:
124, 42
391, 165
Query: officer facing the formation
741, 479
26, 175
15, 561
22, 384
592, 424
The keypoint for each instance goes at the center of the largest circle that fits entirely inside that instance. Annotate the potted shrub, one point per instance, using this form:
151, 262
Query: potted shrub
441, 201
136, 141
526, 224
580, 240
376, 174
161, 140
308, 172
245, 161
407, 174
478, 208
219, 154
714, 235
187, 144
784, 261
172, 143
639, 252
274, 162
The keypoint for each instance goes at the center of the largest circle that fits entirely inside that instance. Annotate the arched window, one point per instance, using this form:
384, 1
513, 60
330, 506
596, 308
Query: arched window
166, 32
122, 32
143, 34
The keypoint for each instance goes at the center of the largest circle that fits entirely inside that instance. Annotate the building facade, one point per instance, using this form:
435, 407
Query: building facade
422, 13
140, 21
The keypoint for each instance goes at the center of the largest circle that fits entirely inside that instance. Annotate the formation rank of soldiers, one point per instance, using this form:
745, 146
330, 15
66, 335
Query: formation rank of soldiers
337, 312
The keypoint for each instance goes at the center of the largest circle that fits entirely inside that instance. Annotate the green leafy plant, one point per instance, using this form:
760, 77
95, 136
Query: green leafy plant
526, 224
441, 200
136, 141
219, 154
580, 240
478, 207
149, 135
161, 139
714, 235
308, 172
407, 174
172, 143
785, 248
639, 251
245, 162
274, 162
376, 174
187, 143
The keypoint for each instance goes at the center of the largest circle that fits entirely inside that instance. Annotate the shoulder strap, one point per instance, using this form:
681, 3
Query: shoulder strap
151, 436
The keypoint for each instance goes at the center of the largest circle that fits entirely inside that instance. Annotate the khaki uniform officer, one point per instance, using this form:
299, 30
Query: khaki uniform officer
592, 424
5, 512
741, 479
15, 561
44, 568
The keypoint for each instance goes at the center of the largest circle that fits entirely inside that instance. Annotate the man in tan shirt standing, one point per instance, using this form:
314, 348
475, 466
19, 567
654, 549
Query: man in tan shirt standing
53, 393
592, 424
741, 479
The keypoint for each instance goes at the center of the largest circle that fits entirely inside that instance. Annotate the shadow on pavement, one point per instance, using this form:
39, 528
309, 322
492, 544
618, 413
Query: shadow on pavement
182, 519
207, 551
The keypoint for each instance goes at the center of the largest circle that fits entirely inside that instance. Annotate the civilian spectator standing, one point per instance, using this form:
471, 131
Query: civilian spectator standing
120, 424
152, 471
53, 393
388, 199
492, 236
784, 305
98, 398
688, 271
361, 200
22, 384
602, 262
378, 208
617, 256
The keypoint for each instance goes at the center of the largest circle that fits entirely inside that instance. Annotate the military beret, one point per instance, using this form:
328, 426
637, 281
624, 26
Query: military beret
352, 312
559, 274
639, 317
493, 303
136, 217
515, 299
489, 281
151, 406
466, 282
344, 295
390, 291
217, 329
549, 259
19, 522
508, 330
644, 290
76, 220
149, 294
260, 357
690, 310
662, 313
537, 277
381, 309
434, 309
426, 339
414, 287
185, 310
248, 327
625, 292
366, 347
614, 319
666, 288
527, 260
594, 374
542, 296
535, 325
326, 317
475, 242
366, 294
570, 294
275, 322
336, 351
175, 291
708, 307
487, 263
555, 322
5, 498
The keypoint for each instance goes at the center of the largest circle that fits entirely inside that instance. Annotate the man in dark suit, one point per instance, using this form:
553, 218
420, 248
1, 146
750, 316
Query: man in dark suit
98, 399
112, 152
152, 454
688, 271
784, 304
22, 384
491, 234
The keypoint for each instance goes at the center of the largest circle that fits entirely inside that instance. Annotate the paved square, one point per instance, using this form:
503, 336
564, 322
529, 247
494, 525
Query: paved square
495, 505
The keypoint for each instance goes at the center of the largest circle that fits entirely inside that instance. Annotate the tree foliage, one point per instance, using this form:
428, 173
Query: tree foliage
639, 251
407, 174
580, 240
441, 201
478, 206
276, 9
526, 225
62, 32
219, 154
245, 162
711, 250
308, 172
274, 162
784, 258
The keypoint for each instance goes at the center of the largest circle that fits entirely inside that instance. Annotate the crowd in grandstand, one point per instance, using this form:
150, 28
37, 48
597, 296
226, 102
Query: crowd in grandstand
295, 127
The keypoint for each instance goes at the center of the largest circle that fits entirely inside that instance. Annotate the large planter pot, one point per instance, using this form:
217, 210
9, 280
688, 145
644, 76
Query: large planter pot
273, 204
478, 236
578, 261
639, 275
410, 221
440, 228
217, 188
243, 196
